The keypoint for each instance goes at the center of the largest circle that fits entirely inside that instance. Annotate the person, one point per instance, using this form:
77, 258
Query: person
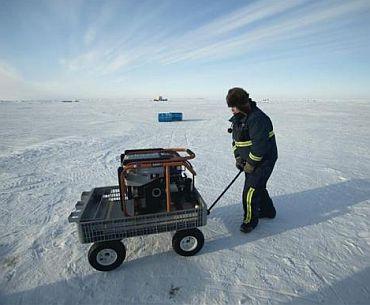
255, 152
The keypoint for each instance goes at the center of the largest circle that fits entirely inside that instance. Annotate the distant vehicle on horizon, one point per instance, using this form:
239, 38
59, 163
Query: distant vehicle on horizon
68, 101
160, 99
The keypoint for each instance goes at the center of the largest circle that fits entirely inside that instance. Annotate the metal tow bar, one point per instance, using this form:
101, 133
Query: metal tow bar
225, 190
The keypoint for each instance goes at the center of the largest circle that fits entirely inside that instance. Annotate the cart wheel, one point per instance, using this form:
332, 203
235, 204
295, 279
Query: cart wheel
85, 194
106, 256
188, 242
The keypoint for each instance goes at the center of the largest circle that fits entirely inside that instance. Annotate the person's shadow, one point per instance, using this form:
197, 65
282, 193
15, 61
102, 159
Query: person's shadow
353, 289
294, 211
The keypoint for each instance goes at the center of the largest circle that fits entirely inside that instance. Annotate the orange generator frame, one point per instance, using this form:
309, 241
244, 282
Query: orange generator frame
172, 159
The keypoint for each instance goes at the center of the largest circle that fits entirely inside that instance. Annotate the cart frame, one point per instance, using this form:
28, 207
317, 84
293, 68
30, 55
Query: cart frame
101, 216
98, 220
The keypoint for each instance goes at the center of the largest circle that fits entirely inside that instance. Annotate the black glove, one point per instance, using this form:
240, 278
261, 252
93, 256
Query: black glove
239, 163
248, 168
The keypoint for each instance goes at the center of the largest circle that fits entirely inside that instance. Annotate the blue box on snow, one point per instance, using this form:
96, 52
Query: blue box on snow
169, 116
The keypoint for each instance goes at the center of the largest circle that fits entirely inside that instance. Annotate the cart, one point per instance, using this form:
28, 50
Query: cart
156, 193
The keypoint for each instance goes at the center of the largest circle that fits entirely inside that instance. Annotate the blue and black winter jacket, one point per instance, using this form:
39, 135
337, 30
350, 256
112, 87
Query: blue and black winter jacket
253, 137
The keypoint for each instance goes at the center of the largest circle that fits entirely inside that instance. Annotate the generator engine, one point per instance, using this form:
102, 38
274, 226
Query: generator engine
146, 190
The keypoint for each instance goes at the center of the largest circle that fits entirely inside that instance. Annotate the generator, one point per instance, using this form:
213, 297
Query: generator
144, 185
155, 193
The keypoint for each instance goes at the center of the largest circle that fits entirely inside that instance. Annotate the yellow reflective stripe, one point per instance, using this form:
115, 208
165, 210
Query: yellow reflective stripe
234, 147
249, 205
243, 144
249, 143
254, 158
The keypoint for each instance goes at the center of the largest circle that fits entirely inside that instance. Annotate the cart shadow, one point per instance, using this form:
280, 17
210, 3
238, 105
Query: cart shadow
294, 211
161, 278
169, 277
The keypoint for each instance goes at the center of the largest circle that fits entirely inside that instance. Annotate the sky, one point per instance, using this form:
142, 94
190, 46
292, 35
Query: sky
73, 49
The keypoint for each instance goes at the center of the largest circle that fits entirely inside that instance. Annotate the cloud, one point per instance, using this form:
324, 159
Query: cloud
254, 26
108, 58
240, 18
82, 62
302, 22
99, 45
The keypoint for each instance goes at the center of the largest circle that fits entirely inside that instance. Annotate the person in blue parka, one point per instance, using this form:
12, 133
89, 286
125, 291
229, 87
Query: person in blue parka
255, 152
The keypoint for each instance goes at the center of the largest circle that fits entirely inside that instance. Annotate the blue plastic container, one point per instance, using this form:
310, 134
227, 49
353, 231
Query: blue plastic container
169, 116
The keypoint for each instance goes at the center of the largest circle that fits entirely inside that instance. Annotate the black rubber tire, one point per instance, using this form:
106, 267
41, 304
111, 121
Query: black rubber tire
117, 246
85, 195
180, 235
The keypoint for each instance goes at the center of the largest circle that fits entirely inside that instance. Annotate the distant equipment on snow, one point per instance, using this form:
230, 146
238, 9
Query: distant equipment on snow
75, 101
160, 99
169, 116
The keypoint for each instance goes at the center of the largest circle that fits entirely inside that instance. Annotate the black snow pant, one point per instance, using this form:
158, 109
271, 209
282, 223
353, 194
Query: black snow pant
256, 198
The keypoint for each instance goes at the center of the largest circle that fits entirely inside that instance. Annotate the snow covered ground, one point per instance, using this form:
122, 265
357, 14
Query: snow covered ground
317, 250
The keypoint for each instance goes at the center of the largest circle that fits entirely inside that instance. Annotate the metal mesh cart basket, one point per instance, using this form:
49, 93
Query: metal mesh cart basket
153, 196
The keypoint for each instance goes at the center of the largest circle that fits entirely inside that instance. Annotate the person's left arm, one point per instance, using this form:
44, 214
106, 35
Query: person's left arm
259, 135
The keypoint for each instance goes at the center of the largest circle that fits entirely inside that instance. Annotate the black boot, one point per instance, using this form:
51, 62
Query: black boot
248, 227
